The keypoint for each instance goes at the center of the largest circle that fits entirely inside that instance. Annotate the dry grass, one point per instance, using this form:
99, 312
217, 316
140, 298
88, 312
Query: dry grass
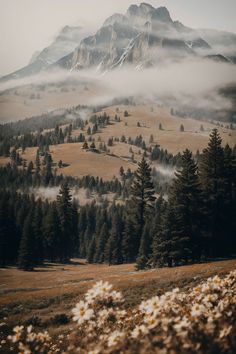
83, 163
55, 288
170, 137
16, 104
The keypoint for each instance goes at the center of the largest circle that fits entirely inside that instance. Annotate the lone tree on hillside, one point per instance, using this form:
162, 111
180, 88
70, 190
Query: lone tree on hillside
93, 146
85, 145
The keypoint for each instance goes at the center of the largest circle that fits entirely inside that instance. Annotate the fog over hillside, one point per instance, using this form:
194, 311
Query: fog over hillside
143, 53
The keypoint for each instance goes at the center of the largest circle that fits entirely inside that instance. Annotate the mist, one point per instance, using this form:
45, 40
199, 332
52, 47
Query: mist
193, 83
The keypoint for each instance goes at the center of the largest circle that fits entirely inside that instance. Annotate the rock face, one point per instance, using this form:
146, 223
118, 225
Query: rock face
144, 36
65, 43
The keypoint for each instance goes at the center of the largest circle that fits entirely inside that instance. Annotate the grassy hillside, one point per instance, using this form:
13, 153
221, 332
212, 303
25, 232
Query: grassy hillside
106, 165
54, 289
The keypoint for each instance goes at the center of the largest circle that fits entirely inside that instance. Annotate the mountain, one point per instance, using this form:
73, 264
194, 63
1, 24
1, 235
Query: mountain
142, 37
64, 43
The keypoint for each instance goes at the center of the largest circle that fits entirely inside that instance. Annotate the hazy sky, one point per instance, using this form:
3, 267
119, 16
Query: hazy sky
27, 26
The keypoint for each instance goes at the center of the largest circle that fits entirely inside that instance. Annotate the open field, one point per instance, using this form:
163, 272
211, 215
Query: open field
170, 137
27, 101
81, 163
55, 289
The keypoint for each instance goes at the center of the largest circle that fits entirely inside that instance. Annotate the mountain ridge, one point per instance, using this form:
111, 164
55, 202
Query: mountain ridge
142, 37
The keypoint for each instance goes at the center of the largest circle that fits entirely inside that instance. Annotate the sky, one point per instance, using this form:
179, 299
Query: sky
27, 26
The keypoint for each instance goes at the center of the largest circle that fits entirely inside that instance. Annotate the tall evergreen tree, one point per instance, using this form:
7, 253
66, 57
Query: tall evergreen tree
128, 241
180, 235
213, 185
162, 243
52, 234
37, 231
142, 200
65, 215
103, 237
91, 250
26, 259
229, 208
113, 251
144, 249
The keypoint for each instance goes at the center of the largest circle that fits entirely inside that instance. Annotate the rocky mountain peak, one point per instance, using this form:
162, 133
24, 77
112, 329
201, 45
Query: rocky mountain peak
145, 8
161, 14
116, 18
69, 33
142, 10
142, 37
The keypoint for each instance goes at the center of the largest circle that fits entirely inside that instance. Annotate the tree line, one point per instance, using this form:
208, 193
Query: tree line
194, 222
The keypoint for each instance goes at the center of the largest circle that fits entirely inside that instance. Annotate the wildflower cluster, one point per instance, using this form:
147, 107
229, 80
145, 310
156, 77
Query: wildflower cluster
200, 320
26, 341
99, 317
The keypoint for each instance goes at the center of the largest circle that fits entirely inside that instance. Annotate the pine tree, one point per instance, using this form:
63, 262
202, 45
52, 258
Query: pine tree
91, 250
179, 239
3, 232
229, 207
65, 215
26, 251
47, 173
212, 180
144, 249
51, 232
75, 241
128, 251
141, 263
142, 200
37, 231
37, 170
145, 243
151, 139
113, 252
162, 243
93, 146
101, 244
189, 217
85, 145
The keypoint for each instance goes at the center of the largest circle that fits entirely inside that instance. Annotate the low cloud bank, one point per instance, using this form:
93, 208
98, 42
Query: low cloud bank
192, 83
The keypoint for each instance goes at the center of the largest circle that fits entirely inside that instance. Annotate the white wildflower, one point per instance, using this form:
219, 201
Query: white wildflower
198, 310
82, 312
115, 338
24, 349
138, 331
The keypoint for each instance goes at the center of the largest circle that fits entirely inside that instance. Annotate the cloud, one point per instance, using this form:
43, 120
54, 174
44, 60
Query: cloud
193, 83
